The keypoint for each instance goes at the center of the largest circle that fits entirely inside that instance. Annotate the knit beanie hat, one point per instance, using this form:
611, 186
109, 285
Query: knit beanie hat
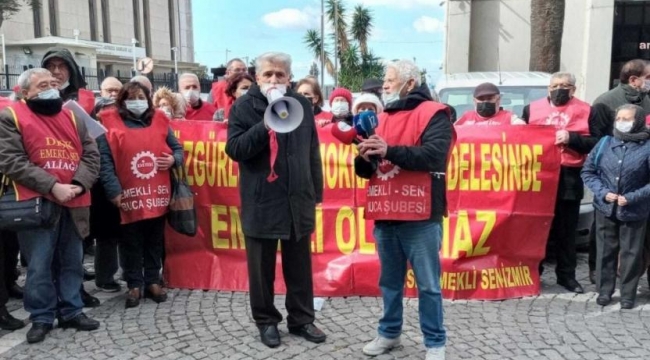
342, 92
367, 98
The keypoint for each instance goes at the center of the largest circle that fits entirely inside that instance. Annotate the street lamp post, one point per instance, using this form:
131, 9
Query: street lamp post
227, 52
175, 49
135, 66
322, 43
336, 45
4, 51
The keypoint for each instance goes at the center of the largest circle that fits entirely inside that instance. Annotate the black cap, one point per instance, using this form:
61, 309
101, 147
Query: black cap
486, 89
371, 85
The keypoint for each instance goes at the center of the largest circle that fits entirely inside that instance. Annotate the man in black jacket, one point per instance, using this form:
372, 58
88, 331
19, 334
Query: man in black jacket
278, 200
406, 198
575, 123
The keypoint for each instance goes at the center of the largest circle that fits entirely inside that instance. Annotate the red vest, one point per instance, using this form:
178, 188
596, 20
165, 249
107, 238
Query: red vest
205, 112
324, 115
86, 99
573, 117
647, 120
145, 189
53, 144
395, 193
221, 100
503, 117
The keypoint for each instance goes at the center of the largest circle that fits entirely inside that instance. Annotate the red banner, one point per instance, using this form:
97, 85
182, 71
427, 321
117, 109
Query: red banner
501, 181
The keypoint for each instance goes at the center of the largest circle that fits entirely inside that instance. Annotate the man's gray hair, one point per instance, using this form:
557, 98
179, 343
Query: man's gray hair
232, 61
273, 58
565, 75
142, 80
188, 75
636, 108
406, 70
24, 80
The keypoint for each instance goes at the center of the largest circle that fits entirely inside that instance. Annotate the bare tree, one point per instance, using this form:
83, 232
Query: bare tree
546, 27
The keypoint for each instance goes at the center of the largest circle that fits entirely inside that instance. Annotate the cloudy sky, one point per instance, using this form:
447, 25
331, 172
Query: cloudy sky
247, 28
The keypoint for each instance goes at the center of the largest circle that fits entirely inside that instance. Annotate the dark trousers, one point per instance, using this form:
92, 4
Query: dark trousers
141, 248
592, 245
613, 236
106, 259
8, 261
563, 236
296, 268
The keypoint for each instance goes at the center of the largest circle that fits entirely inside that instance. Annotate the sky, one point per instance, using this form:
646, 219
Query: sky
247, 28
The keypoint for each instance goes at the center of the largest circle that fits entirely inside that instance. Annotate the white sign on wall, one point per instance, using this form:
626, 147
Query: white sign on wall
125, 51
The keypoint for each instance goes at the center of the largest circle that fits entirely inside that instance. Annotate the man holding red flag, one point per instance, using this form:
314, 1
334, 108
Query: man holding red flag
413, 141
572, 118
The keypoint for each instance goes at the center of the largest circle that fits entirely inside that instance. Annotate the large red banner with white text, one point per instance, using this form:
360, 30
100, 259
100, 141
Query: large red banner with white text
501, 184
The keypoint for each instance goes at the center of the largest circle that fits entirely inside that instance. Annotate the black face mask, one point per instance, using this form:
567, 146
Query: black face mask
47, 107
486, 109
559, 97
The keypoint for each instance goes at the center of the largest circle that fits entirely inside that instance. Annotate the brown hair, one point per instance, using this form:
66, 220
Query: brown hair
176, 102
314, 87
129, 89
233, 83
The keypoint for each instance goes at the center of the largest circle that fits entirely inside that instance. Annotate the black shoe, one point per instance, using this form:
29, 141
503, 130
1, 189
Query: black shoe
310, 332
15, 291
79, 322
571, 285
592, 276
38, 332
109, 287
269, 335
627, 304
88, 300
603, 300
89, 275
8, 322
132, 298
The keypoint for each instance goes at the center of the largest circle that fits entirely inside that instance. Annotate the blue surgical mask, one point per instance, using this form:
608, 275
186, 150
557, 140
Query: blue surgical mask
49, 94
137, 107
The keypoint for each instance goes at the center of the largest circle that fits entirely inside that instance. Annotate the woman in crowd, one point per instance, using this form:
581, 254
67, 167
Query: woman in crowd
341, 105
238, 85
137, 154
367, 102
172, 104
310, 89
617, 171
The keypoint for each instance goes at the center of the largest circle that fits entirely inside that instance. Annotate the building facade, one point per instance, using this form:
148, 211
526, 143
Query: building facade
599, 36
101, 33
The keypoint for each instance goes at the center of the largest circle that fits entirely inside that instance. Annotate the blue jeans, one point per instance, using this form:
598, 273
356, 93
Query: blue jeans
419, 244
54, 271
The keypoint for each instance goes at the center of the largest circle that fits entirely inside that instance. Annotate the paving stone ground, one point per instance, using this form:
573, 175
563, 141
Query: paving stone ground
217, 325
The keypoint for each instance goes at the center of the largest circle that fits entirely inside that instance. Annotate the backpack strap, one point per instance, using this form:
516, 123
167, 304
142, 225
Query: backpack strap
599, 152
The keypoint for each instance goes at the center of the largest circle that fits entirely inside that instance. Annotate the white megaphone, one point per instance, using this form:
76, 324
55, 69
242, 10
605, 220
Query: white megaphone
284, 114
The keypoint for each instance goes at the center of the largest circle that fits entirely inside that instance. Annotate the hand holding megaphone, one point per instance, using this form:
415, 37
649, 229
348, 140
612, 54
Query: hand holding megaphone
284, 114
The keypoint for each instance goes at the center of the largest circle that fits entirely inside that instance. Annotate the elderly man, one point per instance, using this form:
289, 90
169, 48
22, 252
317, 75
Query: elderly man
287, 189
60, 62
110, 87
487, 109
144, 81
72, 86
412, 140
61, 171
633, 89
196, 109
573, 120
218, 95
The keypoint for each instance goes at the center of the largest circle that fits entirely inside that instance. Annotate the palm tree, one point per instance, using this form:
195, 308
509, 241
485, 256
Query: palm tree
314, 44
361, 27
547, 26
336, 15
9, 8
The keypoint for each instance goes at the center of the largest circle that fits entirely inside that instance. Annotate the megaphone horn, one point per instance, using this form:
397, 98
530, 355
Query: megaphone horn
284, 114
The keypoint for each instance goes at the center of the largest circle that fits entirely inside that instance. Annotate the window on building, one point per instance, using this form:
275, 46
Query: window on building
38, 26
92, 10
146, 17
106, 21
631, 35
54, 23
136, 20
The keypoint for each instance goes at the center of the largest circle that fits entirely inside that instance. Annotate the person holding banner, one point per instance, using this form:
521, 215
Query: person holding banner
412, 141
617, 171
47, 153
487, 109
281, 181
137, 154
573, 120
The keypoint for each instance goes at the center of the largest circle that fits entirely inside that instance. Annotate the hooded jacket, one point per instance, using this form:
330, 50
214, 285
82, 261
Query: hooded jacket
430, 156
76, 80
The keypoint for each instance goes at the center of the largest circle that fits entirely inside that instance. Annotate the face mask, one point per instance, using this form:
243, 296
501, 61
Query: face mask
49, 94
646, 85
486, 109
624, 126
282, 88
137, 107
559, 97
243, 92
340, 108
191, 96
167, 112
64, 85
46, 107
390, 98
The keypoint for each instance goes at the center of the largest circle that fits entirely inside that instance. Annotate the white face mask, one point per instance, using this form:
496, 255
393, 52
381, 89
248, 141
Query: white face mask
137, 107
243, 92
340, 108
646, 85
64, 85
167, 112
390, 98
624, 126
191, 96
49, 94
282, 88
